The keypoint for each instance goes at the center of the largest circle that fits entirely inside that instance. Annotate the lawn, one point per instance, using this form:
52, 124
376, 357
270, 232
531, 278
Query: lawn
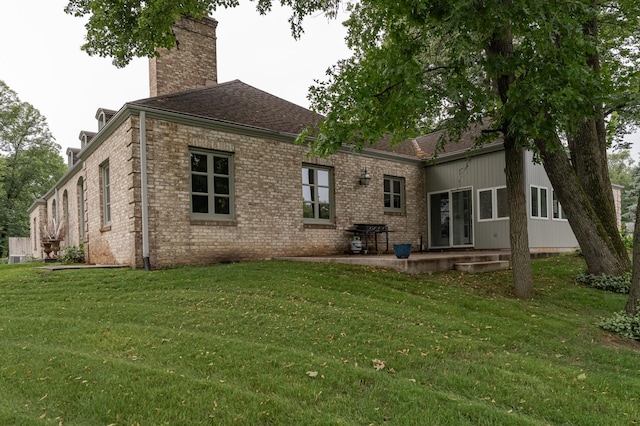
279, 342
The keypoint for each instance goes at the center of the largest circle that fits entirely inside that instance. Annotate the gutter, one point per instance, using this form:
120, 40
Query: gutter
144, 191
258, 132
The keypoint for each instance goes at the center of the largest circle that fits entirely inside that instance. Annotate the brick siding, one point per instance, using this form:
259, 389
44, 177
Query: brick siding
191, 64
268, 218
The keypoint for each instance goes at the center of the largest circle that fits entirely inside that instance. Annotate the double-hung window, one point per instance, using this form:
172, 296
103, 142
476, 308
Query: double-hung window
492, 204
539, 206
106, 193
393, 194
211, 185
317, 194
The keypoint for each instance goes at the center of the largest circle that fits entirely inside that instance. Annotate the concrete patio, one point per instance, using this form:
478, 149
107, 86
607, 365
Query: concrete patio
428, 262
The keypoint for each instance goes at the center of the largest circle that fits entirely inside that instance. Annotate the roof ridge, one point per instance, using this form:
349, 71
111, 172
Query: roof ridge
237, 102
184, 92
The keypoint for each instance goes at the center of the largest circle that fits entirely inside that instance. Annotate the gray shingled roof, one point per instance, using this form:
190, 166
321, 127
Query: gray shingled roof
238, 103
425, 146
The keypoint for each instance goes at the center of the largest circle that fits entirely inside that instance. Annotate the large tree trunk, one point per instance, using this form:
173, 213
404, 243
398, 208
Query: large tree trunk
589, 154
588, 145
595, 243
518, 231
501, 46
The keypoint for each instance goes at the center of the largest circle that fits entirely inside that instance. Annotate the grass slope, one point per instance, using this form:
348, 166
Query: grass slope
315, 344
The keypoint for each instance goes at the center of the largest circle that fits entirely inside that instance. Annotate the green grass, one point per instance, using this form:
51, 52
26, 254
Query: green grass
309, 344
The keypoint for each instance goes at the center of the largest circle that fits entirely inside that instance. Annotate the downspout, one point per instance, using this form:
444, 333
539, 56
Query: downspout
144, 191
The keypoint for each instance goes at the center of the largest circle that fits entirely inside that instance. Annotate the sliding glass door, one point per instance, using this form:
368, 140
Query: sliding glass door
451, 219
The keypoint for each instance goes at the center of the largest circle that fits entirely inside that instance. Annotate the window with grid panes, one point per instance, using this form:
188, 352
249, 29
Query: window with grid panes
393, 194
211, 185
317, 194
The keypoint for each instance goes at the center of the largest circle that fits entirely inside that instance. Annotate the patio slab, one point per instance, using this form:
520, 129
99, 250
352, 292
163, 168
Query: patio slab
478, 267
417, 263
421, 262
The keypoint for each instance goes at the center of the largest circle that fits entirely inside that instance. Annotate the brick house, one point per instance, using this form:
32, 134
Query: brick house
203, 172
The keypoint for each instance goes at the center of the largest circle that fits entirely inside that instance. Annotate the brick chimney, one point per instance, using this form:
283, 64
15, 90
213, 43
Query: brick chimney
191, 63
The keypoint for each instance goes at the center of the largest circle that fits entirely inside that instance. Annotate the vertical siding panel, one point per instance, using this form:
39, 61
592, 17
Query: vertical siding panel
482, 171
545, 233
487, 171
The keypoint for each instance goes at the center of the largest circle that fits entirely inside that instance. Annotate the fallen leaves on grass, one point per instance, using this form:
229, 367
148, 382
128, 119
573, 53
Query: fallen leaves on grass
379, 364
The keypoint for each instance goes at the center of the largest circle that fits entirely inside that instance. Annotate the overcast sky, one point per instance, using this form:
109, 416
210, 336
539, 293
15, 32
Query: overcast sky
42, 62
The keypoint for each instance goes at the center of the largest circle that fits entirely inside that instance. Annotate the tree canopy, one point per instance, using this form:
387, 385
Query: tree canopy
420, 64
29, 163
125, 29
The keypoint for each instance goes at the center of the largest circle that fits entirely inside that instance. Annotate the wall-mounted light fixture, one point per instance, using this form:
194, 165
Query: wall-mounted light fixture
365, 178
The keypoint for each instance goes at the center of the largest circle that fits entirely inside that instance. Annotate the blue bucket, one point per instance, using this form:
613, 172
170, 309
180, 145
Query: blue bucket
402, 251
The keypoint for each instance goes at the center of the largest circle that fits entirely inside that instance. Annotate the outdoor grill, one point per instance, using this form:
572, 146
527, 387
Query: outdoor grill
367, 229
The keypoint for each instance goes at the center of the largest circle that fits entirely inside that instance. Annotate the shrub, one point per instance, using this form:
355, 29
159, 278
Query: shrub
72, 254
623, 324
615, 284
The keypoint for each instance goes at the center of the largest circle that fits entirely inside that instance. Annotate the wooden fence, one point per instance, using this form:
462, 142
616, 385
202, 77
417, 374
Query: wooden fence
19, 249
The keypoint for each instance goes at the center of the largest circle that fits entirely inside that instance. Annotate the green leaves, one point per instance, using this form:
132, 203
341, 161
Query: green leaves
418, 65
623, 324
29, 162
125, 29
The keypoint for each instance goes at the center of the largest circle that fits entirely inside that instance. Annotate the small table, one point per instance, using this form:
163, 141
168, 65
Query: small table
366, 229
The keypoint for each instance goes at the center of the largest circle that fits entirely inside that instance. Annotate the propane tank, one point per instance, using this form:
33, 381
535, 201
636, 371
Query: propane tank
356, 245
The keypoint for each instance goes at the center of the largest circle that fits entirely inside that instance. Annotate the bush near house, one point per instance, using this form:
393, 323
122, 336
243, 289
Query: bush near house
72, 254
295, 343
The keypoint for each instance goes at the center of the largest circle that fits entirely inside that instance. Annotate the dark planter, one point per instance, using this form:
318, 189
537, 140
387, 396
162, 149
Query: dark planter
402, 251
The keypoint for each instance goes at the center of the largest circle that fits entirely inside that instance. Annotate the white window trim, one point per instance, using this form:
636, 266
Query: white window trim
494, 204
102, 120
560, 210
210, 174
450, 193
316, 220
392, 179
539, 216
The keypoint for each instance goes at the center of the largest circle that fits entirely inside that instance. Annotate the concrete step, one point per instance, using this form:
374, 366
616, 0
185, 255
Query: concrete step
476, 267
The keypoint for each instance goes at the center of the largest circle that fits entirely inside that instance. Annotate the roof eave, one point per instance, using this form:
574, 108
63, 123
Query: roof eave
37, 202
465, 154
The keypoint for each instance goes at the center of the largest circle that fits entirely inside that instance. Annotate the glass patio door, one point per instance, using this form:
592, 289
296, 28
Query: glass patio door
451, 219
